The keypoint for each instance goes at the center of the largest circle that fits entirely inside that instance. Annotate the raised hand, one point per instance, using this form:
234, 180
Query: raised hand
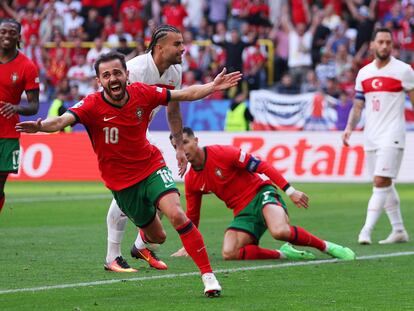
224, 81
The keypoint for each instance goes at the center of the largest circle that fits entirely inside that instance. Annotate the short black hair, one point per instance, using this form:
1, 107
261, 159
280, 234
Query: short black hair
187, 130
380, 29
108, 57
11, 21
160, 33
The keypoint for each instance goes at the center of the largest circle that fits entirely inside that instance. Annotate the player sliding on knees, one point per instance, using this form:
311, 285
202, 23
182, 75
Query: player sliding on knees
232, 175
134, 170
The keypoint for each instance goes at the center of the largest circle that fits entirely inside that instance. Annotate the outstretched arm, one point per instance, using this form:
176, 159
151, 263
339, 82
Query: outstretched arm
221, 82
49, 125
353, 119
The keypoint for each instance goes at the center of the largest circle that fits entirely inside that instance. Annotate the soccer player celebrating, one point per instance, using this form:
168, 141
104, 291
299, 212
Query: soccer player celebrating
159, 66
18, 74
134, 170
380, 87
232, 175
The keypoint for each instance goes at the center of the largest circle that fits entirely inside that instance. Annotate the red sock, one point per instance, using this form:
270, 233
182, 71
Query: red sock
252, 252
301, 237
194, 245
2, 200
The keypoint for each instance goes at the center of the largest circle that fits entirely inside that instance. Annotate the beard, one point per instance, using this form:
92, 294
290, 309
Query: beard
383, 56
115, 97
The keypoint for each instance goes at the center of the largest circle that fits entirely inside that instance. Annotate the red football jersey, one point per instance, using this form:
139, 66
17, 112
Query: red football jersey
118, 134
227, 174
16, 76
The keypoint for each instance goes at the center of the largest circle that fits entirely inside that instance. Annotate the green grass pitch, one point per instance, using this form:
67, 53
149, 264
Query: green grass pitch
53, 242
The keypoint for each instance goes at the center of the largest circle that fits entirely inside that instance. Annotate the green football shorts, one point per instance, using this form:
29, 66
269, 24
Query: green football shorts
250, 219
9, 155
139, 202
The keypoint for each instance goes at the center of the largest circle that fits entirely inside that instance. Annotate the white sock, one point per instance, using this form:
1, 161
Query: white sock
115, 221
375, 207
139, 242
392, 208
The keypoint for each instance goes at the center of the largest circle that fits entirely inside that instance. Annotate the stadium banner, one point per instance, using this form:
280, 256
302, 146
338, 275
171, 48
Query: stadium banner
274, 111
299, 156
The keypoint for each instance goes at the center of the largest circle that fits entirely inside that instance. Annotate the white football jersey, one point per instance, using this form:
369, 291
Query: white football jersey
384, 92
143, 69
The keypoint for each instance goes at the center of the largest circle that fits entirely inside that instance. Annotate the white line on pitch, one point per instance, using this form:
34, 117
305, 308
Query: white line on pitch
170, 276
66, 197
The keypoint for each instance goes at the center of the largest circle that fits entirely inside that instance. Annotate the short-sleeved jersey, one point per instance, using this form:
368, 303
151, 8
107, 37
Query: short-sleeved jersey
384, 92
143, 69
16, 76
226, 174
118, 134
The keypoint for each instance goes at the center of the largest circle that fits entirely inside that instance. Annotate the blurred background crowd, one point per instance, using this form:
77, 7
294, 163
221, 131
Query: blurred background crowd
287, 46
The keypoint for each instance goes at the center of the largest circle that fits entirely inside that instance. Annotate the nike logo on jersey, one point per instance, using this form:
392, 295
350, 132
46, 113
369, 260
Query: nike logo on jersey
202, 187
108, 119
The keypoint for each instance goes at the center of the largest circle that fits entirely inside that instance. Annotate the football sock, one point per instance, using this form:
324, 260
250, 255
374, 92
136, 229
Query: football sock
375, 207
194, 245
301, 237
2, 200
392, 208
252, 252
115, 221
141, 240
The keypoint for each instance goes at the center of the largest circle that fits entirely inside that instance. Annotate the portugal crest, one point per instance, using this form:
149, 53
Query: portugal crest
14, 77
218, 172
140, 114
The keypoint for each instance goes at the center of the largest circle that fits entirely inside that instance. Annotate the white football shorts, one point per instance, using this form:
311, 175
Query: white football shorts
384, 162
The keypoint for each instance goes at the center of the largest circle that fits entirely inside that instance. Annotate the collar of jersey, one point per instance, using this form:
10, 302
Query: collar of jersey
115, 106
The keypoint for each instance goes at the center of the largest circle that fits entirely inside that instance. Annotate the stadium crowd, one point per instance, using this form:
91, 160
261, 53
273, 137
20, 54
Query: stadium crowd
318, 45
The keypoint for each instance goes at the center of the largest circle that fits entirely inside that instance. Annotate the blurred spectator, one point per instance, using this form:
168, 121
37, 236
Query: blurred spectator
96, 51
189, 78
133, 24
337, 38
189, 45
76, 51
395, 15
300, 12
407, 28
108, 27
72, 20
51, 23
320, 37
81, 75
234, 50
123, 47
217, 11
311, 83
132, 7
300, 43
343, 107
103, 7
331, 88
119, 33
35, 53
254, 67
281, 51
286, 85
330, 20
343, 60
92, 26
258, 13
173, 14
326, 69
57, 108
138, 50
195, 11
57, 68
276, 11
365, 20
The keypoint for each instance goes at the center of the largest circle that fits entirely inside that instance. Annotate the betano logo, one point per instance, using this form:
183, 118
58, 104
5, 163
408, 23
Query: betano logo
307, 159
